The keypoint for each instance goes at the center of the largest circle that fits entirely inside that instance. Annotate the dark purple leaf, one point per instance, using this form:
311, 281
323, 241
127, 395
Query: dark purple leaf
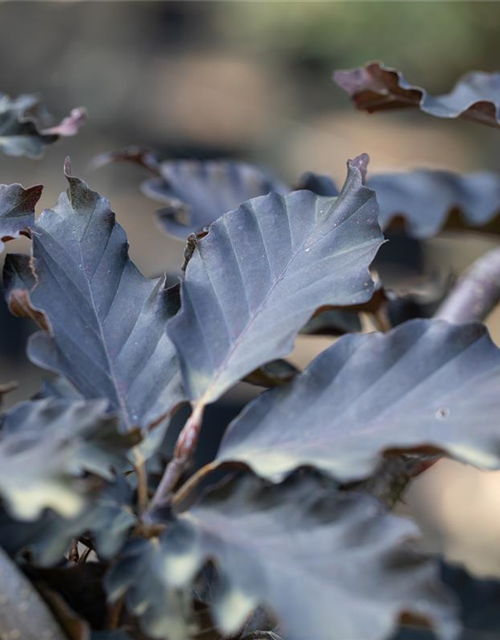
23, 613
104, 322
272, 374
427, 200
261, 273
106, 516
23, 130
331, 566
142, 156
374, 87
480, 607
426, 386
17, 210
196, 193
142, 573
47, 445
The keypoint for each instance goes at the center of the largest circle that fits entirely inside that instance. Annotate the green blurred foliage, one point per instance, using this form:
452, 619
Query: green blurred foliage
433, 42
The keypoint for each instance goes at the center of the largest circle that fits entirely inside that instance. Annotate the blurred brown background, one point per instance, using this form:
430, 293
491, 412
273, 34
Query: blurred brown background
252, 80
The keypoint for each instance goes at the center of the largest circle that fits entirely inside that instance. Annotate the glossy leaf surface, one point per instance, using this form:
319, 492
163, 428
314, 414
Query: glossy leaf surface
330, 566
374, 87
426, 199
260, 274
196, 193
425, 385
105, 328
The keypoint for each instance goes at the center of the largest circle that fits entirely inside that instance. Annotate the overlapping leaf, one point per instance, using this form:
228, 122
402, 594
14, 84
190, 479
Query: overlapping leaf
426, 199
272, 374
198, 192
374, 87
24, 129
107, 517
426, 384
332, 322
330, 566
23, 613
104, 322
260, 274
17, 210
46, 446
480, 607
142, 573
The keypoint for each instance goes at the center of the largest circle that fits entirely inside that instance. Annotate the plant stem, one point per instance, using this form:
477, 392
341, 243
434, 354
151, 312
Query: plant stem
115, 612
472, 299
73, 554
261, 635
477, 292
183, 454
142, 480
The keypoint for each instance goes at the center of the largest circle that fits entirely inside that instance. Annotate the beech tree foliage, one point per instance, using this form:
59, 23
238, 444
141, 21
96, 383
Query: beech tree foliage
107, 533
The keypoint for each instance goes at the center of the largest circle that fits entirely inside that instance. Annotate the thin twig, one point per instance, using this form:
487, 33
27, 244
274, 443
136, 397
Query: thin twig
477, 292
183, 454
261, 635
73, 554
472, 299
193, 482
83, 557
142, 480
115, 612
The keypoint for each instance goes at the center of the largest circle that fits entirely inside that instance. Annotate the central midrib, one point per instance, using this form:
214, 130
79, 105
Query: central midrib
121, 400
205, 399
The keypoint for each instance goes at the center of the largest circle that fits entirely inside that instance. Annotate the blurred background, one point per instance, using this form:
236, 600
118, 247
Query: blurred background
252, 81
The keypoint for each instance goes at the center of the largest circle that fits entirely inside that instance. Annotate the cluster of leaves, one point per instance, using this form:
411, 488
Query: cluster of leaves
288, 532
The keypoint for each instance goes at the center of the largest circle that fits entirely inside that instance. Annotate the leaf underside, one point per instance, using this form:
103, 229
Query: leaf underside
374, 393
260, 274
23, 130
196, 193
374, 87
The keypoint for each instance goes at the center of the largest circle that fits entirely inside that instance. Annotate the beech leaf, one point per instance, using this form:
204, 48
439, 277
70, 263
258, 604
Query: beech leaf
375, 87
330, 566
373, 393
23, 130
260, 274
107, 517
47, 445
479, 599
104, 322
198, 192
141, 573
428, 200
23, 613
17, 210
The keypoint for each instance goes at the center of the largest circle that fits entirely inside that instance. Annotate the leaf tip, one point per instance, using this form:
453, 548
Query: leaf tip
361, 164
67, 167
